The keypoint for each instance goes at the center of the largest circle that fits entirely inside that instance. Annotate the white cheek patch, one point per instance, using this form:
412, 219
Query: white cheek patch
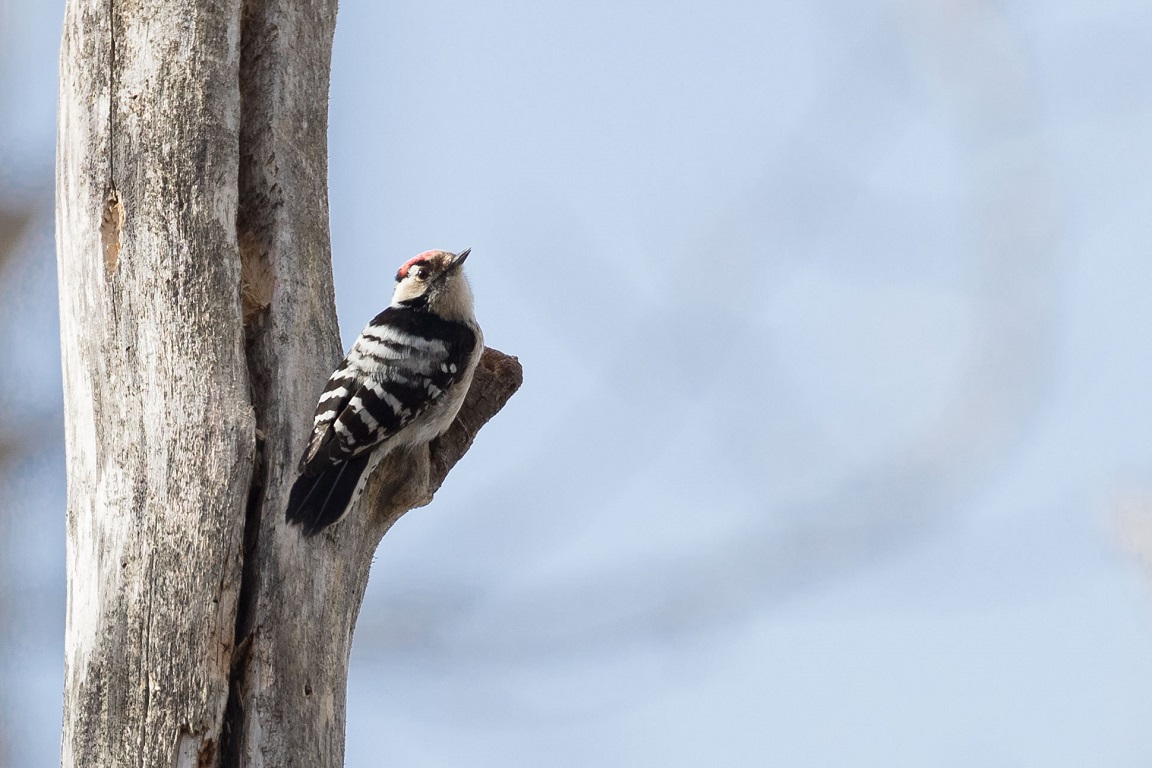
407, 289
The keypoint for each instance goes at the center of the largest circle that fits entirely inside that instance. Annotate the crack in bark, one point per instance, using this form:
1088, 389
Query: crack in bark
255, 290
111, 97
113, 214
146, 653
232, 728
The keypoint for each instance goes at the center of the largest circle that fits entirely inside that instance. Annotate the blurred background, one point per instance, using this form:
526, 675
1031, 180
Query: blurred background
834, 446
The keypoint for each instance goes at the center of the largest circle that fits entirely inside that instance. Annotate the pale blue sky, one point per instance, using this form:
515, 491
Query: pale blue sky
834, 318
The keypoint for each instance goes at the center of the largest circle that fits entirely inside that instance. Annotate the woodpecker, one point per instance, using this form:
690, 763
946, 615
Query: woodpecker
402, 384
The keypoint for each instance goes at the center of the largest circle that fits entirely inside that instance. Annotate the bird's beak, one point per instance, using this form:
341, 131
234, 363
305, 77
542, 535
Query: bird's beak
456, 262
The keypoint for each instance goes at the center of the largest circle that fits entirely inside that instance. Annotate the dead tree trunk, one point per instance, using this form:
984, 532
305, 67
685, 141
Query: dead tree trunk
198, 327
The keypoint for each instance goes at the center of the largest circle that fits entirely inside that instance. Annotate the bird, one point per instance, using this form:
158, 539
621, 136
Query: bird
401, 385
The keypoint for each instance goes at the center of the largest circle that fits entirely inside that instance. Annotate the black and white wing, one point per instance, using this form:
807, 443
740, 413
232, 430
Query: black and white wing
385, 392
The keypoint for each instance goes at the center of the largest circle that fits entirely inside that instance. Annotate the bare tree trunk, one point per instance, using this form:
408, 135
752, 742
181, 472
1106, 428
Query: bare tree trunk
198, 327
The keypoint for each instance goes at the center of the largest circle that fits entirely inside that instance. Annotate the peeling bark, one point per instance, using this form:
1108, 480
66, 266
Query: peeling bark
198, 326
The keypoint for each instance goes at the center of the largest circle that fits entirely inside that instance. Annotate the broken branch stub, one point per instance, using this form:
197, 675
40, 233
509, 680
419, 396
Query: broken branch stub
409, 479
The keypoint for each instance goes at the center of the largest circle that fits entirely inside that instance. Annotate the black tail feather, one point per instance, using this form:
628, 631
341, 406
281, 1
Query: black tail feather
319, 500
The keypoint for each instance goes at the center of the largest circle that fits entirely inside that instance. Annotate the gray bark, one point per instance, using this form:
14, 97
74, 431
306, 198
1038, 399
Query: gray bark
198, 327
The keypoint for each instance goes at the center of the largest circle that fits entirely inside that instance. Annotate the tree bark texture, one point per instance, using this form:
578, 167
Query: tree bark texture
198, 327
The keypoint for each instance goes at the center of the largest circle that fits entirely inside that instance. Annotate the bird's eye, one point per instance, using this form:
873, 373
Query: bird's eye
422, 273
